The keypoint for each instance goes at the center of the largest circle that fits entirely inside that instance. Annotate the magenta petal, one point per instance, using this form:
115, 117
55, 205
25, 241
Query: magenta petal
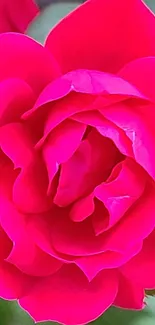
55, 90
80, 301
82, 208
16, 97
95, 154
119, 194
39, 228
59, 111
100, 217
70, 132
16, 143
92, 265
130, 294
107, 129
25, 255
12, 221
108, 44
29, 61
138, 124
13, 283
96, 82
140, 218
145, 262
31, 260
15, 16
30, 188
141, 74
5, 244
73, 238
61, 144
82, 82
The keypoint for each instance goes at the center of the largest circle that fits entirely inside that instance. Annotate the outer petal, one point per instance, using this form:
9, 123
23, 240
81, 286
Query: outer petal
16, 97
123, 31
30, 188
16, 142
31, 260
25, 255
80, 301
130, 294
136, 225
92, 265
5, 244
16, 15
22, 57
141, 73
13, 283
142, 267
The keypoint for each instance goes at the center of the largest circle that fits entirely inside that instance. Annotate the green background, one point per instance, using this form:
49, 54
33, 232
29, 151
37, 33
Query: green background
10, 313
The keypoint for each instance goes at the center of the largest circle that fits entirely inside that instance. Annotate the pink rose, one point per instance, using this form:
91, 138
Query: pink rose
77, 186
15, 15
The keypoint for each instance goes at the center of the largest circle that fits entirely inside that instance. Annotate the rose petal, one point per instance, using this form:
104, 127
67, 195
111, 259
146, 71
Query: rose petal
92, 162
85, 82
25, 254
134, 299
12, 221
57, 232
101, 46
107, 129
92, 265
5, 244
58, 236
145, 262
16, 15
16, 97
13, 283
138, 124
140, 73
39, 228
17, 143
119, 194
22, 57
80, 301
31, 260
97, 82
140, 217
30, 188
61, 144
100, 217
82, 208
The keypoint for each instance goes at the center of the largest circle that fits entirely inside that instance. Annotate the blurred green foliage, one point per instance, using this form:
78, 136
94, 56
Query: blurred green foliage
10, 313
151, 4
49, 18
54, 12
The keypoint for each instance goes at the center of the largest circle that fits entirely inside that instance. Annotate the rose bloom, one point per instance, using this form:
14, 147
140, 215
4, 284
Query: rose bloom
15, 15
77, 164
